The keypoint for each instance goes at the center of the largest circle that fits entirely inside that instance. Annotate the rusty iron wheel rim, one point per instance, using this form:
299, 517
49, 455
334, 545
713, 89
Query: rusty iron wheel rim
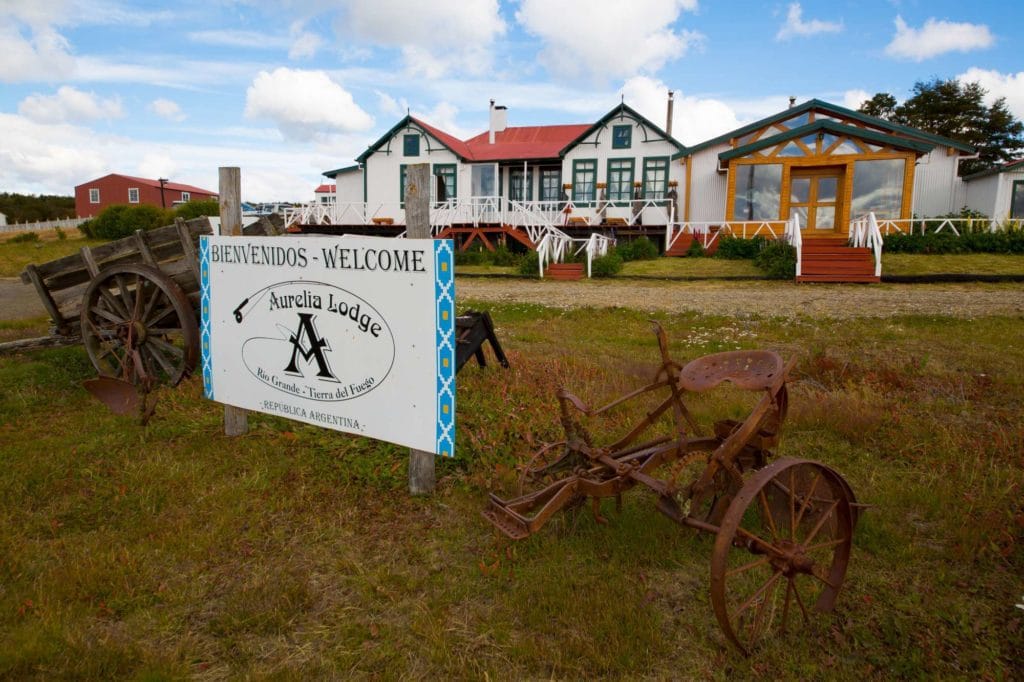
769, 573
133, 307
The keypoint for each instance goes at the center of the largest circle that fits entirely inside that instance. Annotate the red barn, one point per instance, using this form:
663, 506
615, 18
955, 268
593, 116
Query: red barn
94, 196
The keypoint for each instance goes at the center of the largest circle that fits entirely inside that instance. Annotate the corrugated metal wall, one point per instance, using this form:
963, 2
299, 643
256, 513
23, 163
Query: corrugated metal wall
708, 187
937, 189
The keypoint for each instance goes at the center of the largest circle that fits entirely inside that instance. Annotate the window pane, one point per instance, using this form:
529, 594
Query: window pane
621, 137
878, 187
515, 188
655, 178
825, 217
620, 180
846, 147
1017, 200
800, 211
800, 190
445, 188
484, 180
758, 191
412, 145
550, 184
791, 149
797, 121
584, 177
827, 189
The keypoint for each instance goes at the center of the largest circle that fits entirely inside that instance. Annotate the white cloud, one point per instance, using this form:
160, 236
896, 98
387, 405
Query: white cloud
387, 104
69, 105
168, 109
852, 99
304, 44
443, 116
937, 37
235, 38
304, 104
796, 26
435, 37
1008, 85
32, 53
607, 39
694, 119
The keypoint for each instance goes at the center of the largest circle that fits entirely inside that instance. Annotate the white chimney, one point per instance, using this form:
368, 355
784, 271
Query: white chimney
499, 120
668, 114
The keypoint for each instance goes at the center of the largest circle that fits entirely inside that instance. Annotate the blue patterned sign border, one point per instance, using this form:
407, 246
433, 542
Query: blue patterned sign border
444, 301
205, 327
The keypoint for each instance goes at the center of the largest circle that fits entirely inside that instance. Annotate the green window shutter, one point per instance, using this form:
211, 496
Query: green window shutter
411, 145
622, 137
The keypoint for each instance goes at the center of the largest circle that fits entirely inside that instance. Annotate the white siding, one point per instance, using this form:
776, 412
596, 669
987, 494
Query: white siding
383, 169
708, 187
350, 186
937, 188
982, 194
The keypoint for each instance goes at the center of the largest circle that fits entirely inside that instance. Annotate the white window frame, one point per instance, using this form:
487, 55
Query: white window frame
131, 191
186, 196
94, 195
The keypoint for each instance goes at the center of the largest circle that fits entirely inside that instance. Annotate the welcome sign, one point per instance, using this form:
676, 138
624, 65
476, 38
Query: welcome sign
354, 334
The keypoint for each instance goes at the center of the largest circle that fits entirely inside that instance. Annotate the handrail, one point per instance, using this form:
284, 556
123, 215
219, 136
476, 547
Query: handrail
707, 231
796, 240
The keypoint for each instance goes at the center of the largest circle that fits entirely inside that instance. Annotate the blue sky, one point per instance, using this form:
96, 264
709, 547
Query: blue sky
286, 90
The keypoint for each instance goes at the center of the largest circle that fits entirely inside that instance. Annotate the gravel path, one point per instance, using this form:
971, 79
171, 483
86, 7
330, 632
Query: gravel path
784, 299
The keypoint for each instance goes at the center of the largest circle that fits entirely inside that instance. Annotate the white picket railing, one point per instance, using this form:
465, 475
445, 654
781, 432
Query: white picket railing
866, 233
706, 232
43, 225
889, 226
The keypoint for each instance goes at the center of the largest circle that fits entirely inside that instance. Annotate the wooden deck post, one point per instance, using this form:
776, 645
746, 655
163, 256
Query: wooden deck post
236, 419
417, 226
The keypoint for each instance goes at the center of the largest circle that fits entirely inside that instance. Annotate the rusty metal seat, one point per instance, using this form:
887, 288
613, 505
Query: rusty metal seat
755, 370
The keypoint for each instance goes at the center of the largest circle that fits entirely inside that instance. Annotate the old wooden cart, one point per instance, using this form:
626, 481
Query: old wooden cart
133, 303
783, 530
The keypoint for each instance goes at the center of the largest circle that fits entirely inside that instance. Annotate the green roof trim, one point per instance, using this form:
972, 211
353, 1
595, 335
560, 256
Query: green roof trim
835, 109
405, 122
1012, 165
338, 171
831, 126
618, 111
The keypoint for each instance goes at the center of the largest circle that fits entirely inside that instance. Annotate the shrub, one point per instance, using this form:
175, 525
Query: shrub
696, 250
1009, 240
472, 257
23, 238
606, 266
197, 209
529, 265
61, 234
501, 256
778, 260
115, 222
638, 249
737, 248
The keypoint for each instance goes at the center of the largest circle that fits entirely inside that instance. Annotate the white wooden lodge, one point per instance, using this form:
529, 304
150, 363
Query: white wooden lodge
812, 173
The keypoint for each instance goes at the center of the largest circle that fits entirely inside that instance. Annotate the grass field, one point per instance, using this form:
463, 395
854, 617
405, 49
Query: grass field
170, 551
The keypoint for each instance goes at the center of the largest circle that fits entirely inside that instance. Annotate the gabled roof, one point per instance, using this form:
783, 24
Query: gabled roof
175, 186
453, 144
325, 189
836, 109
524, 143
1006, 167
624, 109
338, 171
832, 127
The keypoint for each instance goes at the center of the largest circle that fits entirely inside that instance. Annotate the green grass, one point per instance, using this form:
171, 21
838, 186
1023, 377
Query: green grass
14, 256
968, 263
692, 267
171, 551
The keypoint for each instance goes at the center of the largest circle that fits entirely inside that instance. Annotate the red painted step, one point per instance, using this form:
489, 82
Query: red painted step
564, 271
831, 259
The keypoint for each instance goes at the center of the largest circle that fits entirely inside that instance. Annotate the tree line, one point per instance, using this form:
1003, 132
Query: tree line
21, 208
956, 110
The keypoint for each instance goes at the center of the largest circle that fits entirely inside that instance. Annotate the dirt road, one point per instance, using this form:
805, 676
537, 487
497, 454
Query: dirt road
17, 301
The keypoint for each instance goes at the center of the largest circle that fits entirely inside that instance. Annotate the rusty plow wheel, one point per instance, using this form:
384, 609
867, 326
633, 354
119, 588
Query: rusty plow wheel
781, 552
138, 327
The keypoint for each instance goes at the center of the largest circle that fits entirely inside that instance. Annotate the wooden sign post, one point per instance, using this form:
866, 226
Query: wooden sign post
417, 225
236, 419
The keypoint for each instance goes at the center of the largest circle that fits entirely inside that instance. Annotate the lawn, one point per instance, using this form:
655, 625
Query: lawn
171, 551
15, 255
966, 263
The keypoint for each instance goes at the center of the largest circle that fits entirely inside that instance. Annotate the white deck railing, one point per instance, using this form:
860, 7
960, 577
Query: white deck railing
706, 232
866, 233
889, 226
795, 238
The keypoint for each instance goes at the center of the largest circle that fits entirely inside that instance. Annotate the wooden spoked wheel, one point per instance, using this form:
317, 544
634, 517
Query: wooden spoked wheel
781, 552
138, 325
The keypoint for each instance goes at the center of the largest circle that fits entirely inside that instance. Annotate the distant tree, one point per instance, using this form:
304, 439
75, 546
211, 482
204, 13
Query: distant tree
956, 110
22, 208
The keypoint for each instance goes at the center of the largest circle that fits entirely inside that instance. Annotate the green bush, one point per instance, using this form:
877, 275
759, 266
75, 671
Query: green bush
778, 260
638, 249
1008, 240
696, 250
501, 256
61, 234
198, 208
606, 266
737, 248
115, 222
23, 238
529, 265
471, 257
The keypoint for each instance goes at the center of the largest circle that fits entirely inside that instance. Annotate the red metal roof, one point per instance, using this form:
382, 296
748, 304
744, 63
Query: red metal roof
176, 186
324, 189
524, 142
453, 143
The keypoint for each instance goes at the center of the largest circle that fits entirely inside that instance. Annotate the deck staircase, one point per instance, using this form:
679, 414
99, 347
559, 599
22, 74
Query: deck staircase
831, 259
